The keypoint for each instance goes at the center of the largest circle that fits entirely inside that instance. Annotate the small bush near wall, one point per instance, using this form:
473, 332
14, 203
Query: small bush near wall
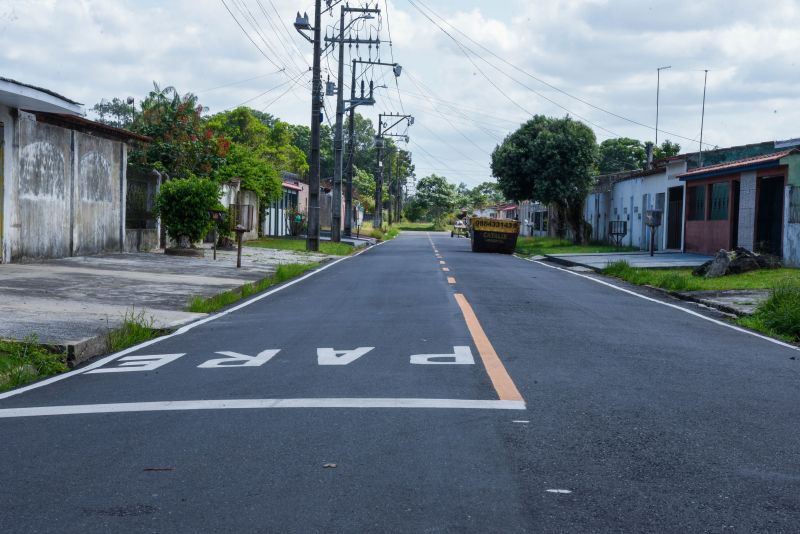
184, 206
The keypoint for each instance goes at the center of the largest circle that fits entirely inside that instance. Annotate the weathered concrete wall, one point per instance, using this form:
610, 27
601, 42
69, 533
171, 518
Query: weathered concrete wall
63, 191
141, 240
98, 195
747, 210
45, 169
791, 232
6, 175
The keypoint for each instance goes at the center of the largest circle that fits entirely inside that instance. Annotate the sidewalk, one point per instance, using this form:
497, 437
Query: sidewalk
74, 302
643, 260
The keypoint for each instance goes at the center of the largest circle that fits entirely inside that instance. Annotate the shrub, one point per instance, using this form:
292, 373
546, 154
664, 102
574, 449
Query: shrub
184, 206
781, 311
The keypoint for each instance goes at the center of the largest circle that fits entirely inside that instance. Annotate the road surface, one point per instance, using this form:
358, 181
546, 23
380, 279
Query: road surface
418, 387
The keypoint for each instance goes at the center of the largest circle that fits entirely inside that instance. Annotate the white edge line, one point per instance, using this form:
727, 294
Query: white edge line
681, 308
181, 330
241, 404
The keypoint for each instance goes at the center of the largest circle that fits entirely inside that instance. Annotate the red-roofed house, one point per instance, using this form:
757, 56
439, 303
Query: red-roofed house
752, 203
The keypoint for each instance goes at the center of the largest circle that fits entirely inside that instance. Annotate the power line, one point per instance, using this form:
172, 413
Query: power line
522, 71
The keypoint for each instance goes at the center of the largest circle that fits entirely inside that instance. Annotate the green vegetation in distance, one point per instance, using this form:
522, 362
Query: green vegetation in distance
385, 234
539, 246
23, 362
414, 226
325, 247
135, 328
284, 272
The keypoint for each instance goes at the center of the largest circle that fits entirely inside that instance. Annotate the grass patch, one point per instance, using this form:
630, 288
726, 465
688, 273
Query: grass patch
135, 328
212, 304
539, 246
325, 247
22, 362
381, 234
684, 280
779, 315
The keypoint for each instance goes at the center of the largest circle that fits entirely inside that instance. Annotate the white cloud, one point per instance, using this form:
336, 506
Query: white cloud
603, 51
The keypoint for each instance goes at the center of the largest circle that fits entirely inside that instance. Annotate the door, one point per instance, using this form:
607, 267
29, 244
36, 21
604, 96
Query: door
735, 214
675, 217
769, 218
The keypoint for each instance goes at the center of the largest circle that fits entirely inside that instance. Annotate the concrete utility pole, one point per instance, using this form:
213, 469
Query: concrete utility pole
338, 142
354, 102
658, 90
703, 116
377, 219
301, 25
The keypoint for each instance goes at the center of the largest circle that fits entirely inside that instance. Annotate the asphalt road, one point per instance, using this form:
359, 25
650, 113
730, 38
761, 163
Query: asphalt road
385, 394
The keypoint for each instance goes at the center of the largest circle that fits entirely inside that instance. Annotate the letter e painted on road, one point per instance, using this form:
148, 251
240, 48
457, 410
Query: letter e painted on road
138, 363
460, 356
328, 356
234, 359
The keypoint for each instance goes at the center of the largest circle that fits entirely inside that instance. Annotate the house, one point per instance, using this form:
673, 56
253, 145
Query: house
751, 202
63, 178
294, 199
534, 218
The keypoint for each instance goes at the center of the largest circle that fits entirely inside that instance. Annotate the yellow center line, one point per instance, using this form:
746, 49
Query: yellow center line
501, 380
442, 262
451, 280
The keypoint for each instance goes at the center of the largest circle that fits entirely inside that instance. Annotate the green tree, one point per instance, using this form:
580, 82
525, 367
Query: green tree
255, 173
552, 161
301, 138
621, 154
484, 194
437, 197
364, 188
116, 112
667, 150
182, 143
184, 206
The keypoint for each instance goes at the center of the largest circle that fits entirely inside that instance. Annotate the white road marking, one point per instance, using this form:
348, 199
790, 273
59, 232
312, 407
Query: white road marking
101, 362
330, 356
558, 491
130, 364
234, 359
241, 404
524, 421
675, 306
460, 356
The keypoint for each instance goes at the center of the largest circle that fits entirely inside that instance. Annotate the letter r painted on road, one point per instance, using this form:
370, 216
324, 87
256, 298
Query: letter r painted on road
460, 356
234, 359
138, 363
329, 356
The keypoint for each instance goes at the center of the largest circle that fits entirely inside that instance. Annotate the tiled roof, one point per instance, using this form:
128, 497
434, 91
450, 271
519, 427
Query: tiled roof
719, 168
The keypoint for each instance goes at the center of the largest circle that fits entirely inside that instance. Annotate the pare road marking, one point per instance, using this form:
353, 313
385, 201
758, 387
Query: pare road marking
329, 356
130, 364
234, 359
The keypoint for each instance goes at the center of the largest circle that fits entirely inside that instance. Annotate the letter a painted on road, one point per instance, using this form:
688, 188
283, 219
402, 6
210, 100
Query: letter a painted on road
234, 359
330, 356
460, 356
138, 363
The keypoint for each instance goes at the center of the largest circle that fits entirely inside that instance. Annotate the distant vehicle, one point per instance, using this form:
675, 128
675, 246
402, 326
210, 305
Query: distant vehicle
493, 235
459, 229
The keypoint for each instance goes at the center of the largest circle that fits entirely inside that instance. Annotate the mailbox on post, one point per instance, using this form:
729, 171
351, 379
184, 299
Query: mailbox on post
652, 218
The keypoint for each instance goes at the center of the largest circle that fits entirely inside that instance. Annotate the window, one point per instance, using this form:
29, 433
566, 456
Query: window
696, 201
719, 201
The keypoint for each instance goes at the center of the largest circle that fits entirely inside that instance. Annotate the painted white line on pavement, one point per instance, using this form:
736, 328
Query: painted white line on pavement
675, 306
182, 330
243, 404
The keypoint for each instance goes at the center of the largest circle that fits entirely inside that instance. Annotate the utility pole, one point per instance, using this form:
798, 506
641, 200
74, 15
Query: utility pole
302, 24
336, 208
377, 219
354, 102
658, 90
703, 116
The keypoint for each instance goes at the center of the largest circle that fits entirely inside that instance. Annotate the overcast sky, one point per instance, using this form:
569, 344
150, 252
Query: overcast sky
592, 53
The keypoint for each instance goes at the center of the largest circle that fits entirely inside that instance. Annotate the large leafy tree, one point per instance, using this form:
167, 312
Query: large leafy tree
183, 144
301, 138
271, 140
552, 161
256, 174
437, 196
621, 154
667, 150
